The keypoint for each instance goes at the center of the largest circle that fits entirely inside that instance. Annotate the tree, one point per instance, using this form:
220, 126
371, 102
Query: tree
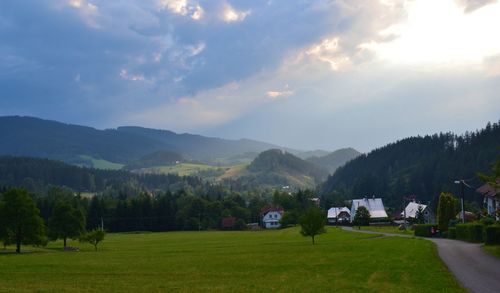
66, 222
312, 223
361, 217
93, 237
419, 215
446, 210
21, 219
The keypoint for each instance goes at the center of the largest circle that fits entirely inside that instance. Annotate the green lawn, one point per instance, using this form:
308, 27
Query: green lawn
387, 229
492, 249
262, 261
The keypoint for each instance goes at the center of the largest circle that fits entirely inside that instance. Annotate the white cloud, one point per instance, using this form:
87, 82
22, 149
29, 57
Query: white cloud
440, 33
124, 74
88, 11
183, 7
229, 14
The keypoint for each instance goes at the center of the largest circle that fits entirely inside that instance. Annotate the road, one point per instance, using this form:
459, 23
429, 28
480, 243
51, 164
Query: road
475, 270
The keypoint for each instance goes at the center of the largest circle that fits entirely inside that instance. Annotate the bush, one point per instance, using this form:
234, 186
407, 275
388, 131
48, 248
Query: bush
492, 235
472, 232
425, 230
452, 233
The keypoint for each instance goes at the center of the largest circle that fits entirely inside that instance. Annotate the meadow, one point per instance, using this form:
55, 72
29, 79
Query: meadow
388, 229
251, 261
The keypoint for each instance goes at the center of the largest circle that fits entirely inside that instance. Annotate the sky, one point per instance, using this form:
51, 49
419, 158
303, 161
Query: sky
305, 74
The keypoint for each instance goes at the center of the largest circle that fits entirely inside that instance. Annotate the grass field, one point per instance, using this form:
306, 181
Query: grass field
492, 249
184, 169
102, 164
387, 229
261, 261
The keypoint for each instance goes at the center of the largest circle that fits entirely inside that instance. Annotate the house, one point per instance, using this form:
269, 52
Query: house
491, 199
338, 215
374, 205
271, 217
412, 209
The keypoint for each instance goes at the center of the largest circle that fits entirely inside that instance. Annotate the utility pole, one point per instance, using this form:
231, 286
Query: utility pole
462, 191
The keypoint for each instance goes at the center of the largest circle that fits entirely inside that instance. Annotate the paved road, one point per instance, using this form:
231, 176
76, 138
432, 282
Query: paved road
474, 269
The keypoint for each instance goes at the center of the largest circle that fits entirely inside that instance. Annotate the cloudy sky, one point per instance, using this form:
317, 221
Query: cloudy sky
305, 74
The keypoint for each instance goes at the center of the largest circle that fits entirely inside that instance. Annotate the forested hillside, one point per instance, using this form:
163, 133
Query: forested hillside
74, 144
275, 168
37, 175
420, 166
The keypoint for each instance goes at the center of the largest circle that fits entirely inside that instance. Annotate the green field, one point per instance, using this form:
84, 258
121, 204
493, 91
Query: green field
102, 164
261, 261
492, 249
388, 229
184, 169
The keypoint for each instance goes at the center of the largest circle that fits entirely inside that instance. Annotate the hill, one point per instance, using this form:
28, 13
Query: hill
420, 166
276, 168
81, 145
37, 175
158, 158
334, 160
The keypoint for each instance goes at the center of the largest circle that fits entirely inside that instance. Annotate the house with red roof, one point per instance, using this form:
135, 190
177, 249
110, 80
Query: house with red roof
271, 217
491, 199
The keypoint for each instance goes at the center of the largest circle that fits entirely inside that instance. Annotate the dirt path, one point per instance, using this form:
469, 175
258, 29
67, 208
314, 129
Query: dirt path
474, 269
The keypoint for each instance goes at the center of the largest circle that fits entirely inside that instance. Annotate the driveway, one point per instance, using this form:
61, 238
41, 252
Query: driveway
474, 269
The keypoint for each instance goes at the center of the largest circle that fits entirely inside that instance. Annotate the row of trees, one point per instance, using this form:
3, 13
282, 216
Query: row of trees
22, 224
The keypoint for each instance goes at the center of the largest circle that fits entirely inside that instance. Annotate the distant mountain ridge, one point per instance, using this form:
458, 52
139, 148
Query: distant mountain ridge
29, 136
332, 161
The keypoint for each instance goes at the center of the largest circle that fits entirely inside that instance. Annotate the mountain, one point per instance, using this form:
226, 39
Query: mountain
276, 168
334, 160
420, 166
81, 145
315, 153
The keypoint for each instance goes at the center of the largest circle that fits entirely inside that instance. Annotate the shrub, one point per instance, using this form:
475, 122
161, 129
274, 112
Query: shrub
472, 232
492, 235
425, 230
452, 233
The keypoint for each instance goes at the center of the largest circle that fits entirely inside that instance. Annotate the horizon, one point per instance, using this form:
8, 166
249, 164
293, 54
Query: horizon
315, 75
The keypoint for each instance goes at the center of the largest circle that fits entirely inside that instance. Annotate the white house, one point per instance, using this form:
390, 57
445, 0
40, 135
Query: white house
412, 208
271, 217
338, 215
374, 205
491, 199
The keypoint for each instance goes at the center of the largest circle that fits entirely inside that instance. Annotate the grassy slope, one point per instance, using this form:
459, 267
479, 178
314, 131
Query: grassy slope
102, 164
233, 262
183, 169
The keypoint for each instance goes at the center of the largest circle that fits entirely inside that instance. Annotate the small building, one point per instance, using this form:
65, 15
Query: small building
271, 217
374, 205
491, 199
228, 223
412, 209
338, 215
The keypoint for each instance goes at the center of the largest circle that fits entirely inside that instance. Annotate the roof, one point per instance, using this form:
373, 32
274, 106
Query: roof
334, 212
488, 190
374, 205
412, 208
271, 208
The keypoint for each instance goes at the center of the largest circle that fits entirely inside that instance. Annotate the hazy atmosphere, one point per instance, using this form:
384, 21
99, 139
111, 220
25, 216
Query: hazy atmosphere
304, 74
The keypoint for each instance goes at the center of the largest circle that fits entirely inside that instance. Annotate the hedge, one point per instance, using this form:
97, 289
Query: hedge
425, 230
492, 235
472, 232
452, 233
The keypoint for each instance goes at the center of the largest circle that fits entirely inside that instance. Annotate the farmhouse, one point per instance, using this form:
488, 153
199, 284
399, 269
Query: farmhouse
374, 205
412, 209
491, 199
338, 215
271, 217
